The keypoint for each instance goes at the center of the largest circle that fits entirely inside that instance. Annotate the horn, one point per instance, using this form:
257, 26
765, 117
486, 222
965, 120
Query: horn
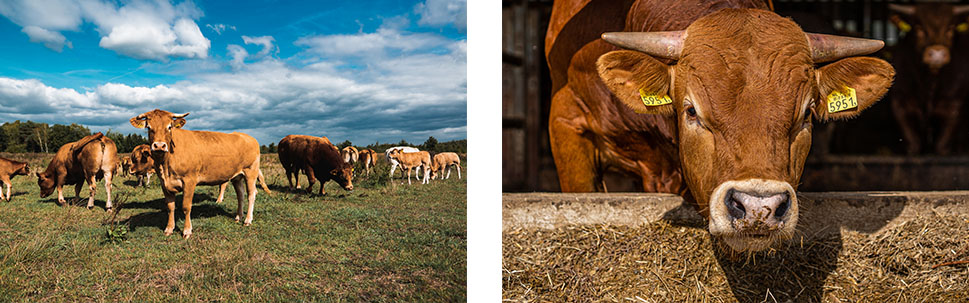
826, 48
174, 116
661, 44
902, 9
960, 9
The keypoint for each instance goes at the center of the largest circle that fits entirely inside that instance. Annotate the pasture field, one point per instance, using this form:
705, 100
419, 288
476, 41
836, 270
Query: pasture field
382, 242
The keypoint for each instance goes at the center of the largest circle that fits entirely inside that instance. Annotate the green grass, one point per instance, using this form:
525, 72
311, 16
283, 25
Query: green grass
382, 242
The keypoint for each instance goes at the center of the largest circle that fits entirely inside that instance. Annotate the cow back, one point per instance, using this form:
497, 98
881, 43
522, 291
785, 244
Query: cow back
211, 157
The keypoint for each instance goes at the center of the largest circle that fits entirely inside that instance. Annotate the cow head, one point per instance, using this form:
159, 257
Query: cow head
160, 125
23, 170
343, 175
744, 90
934, 26
46, 183
141, 161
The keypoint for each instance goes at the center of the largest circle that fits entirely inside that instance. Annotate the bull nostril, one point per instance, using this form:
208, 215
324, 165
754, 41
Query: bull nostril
734, 207
783, 207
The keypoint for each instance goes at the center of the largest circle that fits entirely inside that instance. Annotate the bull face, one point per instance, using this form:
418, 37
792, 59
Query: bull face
343, 176
934, 26
743, 92
46, 183
160, 125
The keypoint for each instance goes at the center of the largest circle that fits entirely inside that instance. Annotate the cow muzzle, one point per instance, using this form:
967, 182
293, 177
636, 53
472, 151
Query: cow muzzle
753, 214
936, 56
159, 147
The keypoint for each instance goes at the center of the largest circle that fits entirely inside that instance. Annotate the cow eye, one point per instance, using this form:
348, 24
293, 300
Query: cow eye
691, 112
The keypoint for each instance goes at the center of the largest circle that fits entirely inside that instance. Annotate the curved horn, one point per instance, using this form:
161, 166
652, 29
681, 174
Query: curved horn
661, 44
902, 9
174, 116
960, 9
826, 48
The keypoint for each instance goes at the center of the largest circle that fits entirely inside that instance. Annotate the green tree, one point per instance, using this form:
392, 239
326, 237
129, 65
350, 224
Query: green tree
344, 144
430, 144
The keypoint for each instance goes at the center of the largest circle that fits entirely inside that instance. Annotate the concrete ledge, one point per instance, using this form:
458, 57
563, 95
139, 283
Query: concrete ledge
821, 213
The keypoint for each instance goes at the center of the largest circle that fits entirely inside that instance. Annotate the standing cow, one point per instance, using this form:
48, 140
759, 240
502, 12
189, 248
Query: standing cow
369, 159
712, 100
184, 159
394, 163
90, 159
318, 158
8, 170
932, 81
125, 165
142, 166
445, 161
350, 154
408, 161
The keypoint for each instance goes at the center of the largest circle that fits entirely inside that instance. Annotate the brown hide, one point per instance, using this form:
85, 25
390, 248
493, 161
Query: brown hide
90, 159
9, 169
142, 164
125, 165
413, 160
184, 159
350, 154
369, 159
743, 93
316, 157
442, 160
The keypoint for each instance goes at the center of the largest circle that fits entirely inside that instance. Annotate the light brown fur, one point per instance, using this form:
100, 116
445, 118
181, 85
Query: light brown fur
442, 161
369, 159
409, 161
8, 170
90, 159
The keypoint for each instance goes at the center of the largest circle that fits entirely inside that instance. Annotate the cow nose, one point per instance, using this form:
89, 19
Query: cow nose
349, 187
769, 208
159, 146
936, 56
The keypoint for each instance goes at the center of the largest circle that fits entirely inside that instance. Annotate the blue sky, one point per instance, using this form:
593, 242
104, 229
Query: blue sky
360, 70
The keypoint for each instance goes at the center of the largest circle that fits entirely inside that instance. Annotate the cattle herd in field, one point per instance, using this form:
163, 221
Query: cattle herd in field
183, 159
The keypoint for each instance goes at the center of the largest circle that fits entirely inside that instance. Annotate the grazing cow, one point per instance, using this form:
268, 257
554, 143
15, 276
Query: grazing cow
184, 159
92, 158
141, 165
445, 160
350, 154
8, 170
394, 163
125, 165
369, 159
712, 100
932, 82
408, 161
316, 157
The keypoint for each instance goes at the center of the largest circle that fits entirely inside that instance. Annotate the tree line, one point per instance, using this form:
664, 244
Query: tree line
431, 145
35, 137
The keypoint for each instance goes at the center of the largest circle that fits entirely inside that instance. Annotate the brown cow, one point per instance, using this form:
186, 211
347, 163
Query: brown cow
143, 167
409, 161
931, 85
713, 103
125, 165
92, 158
350, 154
8, 170
184, 159
369, 159
316, 157
445, 160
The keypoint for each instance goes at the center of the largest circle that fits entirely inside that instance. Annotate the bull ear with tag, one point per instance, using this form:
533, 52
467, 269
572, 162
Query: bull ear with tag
178, 123
138, 123
851, 85
638, 80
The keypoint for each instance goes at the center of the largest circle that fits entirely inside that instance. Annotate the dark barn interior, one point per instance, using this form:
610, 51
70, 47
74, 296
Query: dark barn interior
865, 153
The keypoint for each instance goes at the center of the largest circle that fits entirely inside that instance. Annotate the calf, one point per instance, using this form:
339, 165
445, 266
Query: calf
125, 165
442, 161
369, 159
409, 161
9, 169
184, 159
90, 159
394, 163
318, 158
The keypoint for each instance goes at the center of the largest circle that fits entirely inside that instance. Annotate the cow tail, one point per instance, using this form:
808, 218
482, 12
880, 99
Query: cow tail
79, 145
262, 182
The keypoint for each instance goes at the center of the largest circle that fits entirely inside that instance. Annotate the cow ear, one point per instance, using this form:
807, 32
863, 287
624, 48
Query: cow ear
139, 123
178, 123
868, 78
335, 172
638, 80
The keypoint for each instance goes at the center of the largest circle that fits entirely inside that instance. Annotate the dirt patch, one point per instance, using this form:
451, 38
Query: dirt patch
850, 247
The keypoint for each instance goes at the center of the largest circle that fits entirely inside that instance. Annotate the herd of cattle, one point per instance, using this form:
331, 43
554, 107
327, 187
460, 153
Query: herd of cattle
716, 100
183, 159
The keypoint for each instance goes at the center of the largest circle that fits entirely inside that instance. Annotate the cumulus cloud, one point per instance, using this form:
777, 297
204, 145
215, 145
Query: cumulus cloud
442, 12
363, 44
142, 29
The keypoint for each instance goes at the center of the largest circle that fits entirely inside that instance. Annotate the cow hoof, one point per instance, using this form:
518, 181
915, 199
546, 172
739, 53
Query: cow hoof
246, 223
90, 207
186, 234
237, 218
168, 231
107, 209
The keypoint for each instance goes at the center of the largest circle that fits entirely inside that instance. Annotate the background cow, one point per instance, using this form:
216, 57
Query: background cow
185, 158
369, 159
715, 104
394, 163
318, 158
932, 82
141, 165
350, 154
408, 161
8, 170
445, 160
90, 159
125, 165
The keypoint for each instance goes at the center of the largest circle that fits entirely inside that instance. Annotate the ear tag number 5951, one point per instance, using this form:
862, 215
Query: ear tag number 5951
654, 99
842, 100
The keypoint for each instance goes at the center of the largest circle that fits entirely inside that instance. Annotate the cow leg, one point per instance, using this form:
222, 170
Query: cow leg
251, 179
393, 166
289, 177
240, 195
408, 176
6, 182
311, 177
107, 190
222, 192
572, 151
908, 118
187, 195
92, 184
147, 179
458, 168
60, 195
947, 113
448, 172
170, 203
77, 192
296, 174
427, 174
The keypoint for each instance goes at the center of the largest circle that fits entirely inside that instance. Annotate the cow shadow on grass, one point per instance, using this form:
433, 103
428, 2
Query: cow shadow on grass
797, 269
199, 197
159, 219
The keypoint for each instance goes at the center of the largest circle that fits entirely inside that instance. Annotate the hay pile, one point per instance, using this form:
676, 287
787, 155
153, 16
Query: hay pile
915, 261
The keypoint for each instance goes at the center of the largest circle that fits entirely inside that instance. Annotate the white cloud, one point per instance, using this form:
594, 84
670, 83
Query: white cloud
238, 55
142, 29
265, 41
363, 44
442, 12
219, 28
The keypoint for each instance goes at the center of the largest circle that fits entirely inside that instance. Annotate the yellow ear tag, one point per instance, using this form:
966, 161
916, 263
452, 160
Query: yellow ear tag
653, 99
902, 26
962, 27
842, 100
